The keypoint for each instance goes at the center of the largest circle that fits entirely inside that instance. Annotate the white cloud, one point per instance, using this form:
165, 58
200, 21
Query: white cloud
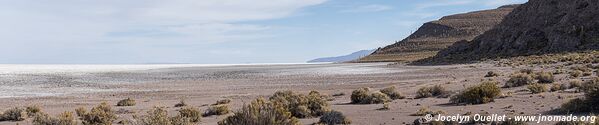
368, 8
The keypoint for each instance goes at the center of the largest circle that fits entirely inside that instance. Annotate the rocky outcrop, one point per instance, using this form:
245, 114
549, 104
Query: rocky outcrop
434, 36
536, 27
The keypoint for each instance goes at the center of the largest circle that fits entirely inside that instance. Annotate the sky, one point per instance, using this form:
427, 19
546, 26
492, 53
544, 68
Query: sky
209, 31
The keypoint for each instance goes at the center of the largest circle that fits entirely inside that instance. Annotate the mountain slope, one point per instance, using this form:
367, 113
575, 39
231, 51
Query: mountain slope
536, 27
434, 36
345, 58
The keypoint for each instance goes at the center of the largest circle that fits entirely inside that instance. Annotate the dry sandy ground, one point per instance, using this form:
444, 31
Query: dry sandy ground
204, 85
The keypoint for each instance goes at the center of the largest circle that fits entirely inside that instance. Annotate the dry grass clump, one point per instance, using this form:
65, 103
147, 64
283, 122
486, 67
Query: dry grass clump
392, 93
32, 110
558, 87
519, 79
334, 118
545, 77
99, 115
65, 118
192, 113
575, 73
126, 102
13, 114
364, 96
492, 74
261, 112
537, 88
302, 106
424, 111
216, 110
181, 103
589, 85
155, 116
221, 102
479, 94
575, 83
433, 91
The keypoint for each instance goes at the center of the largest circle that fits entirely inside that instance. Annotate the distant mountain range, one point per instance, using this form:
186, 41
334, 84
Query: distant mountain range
345, 58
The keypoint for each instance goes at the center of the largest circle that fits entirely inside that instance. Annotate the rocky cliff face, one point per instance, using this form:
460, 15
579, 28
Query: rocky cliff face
434, 36
536, 27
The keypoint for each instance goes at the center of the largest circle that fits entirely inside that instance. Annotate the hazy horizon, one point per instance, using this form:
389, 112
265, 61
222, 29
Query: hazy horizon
210, 32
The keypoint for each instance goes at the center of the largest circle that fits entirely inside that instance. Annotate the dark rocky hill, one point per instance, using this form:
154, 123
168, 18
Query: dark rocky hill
536, 27
434, 36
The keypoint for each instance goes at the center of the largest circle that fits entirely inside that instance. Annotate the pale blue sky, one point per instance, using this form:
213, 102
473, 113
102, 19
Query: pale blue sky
210, 31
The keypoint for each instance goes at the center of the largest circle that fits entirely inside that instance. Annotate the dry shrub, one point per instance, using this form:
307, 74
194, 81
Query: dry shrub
519, 79
192, 113
575, 73
558, 87
392, 93
217, 110
545, 77
479, 94
155, 116
65, 118
360, 96
526, 71
302, 106
99, 115
575, 83
126, 102
378, 97
13, 114
181, 104
80, 111
537, 88
589, 85
32, 110
424, 111
261, 112
334, 118
224, 101
433, 91
492, 74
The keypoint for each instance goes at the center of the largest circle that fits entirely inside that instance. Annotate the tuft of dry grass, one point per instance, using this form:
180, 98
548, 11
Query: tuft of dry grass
392, 93
537, 88
32, 110
334, 118
65, 118
181, 103
216, 110
479, 94
261, 112
13, 114
360, 96
519, 79
545, 77
126, 102
492, 74
221, 102
302, 106
99, 115
192, 113
433, 91
424, 111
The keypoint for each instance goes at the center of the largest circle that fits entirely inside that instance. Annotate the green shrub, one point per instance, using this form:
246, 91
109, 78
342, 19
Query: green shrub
334, 118
126, 102
302, 106
537, 88
32, 110
261, 112
14, 114
360, 96
545, 77
433, 91
479, 94
192, 113
492, 74
217, 110
224, 101
65, 118
99, 115
392, 93
519, 79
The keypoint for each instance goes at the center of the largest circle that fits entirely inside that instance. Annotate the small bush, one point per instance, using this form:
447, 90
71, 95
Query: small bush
558, 87
537, 88
360, 96
575, 83
155, 116
480, 94
126, 102
334, 118
575, 73
392, 93
519, 79
65, 118
14, 114
99, 115
261, 112
545, 77
217, 110
192, 113
181, 104
32, 110
300, 105
492, 74
378, 97
224, 101
434, 91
